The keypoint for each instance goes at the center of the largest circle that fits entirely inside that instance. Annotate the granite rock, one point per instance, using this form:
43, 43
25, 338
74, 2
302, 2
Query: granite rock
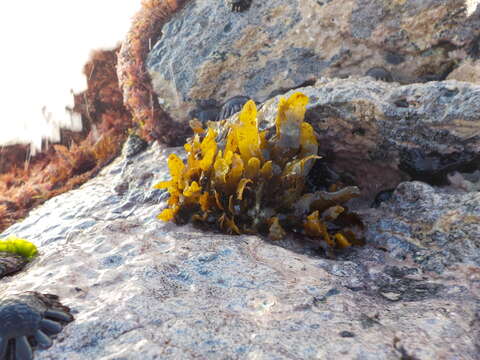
142, 288
376, 134
207, 52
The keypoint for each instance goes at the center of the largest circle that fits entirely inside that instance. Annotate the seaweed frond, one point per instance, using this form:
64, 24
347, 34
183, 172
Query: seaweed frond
243, 180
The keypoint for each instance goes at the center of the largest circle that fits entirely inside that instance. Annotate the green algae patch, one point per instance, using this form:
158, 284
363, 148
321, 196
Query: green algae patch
241, 180
15, 245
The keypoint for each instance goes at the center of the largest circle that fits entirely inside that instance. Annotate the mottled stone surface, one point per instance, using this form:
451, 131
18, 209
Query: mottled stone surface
467, 71
436, 227
141, 288
208, 52
377, 134
10, 263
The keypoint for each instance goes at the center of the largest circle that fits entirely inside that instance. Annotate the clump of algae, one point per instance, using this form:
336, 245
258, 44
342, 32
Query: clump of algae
245, 181
15, 245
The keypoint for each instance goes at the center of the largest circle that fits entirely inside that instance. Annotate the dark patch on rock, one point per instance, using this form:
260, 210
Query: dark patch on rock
369, 321
321, 299
380, 73
11, 263
346, 334
433, 167
474, 48
394, 59
399, 272
381, 197
445, 92
440, 73
206, 110
232, 106
324, 2
121, 188
322, 176
112, 261
401, 103
239, 5
359, 131
134, 145
281, 91
211, 110
88, 163
405, 289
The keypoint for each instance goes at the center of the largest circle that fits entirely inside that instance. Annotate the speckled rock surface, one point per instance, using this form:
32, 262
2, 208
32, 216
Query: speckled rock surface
208, 52
10, 263
467, 71
378, 134
141, 288
442, 226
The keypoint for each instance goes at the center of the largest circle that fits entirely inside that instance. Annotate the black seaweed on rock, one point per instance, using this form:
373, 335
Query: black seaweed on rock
433, 167
29, 320
239, 5
380, 73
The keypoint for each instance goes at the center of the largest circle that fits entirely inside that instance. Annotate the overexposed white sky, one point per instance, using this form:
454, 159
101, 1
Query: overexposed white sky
43, 47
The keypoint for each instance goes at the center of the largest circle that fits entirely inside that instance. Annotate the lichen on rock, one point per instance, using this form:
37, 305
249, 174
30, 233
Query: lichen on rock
243, 180
18, 246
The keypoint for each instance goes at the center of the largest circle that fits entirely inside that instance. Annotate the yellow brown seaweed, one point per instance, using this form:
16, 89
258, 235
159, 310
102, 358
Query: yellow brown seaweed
243, 181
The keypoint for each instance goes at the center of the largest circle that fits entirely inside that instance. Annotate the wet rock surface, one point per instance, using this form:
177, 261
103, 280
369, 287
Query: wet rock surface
141, 287
208, 52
